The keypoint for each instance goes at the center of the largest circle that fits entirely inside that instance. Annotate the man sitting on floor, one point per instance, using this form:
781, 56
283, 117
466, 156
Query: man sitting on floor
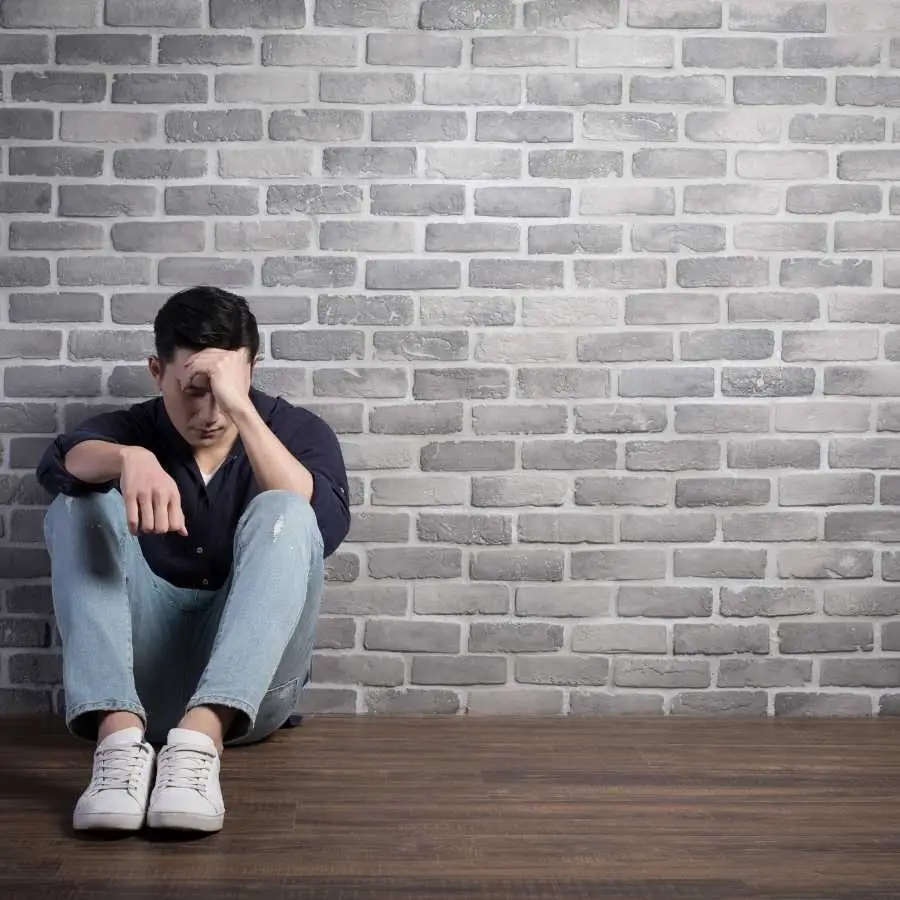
187, 552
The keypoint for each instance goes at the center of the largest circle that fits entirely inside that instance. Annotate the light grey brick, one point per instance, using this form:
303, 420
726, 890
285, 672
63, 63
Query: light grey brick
25, 197
890, 638
413, 50
525, 202
206, 49
335, 51
421, 345
30, 344
417, 200
110, 345
824, 562
527, 126
734, 271
661, 673
565, 528
862, 526
543, 383
575, 163
455, 383
425, 490
476, 163
461, 599
314, 199
464, 528
360, 382
405, 701
369, 162
476, 89
809, 705
665, 238
290, 382
777, 15
671, 309
851, 236
262, 236
676, 527
571, 15
419, 126
862, 381
159, 237
514, 637
412, 637
623, 637
522, 419
772, 307
518, 490
876, 309
466, 14
826, 489
858, 600
212, 200
515, 274
860, 673
593, 310
620, 418
625, 346
727, 344
598, 703
204, 126
161, 13
318, 344
773, 453
732, 199
107, 127
620, 51
365, 600
317, 125
412, 275
779, 90
630, 126
689, 14
568, 455
720, 639
831, 52
521, 50
458, 670
414, 563
361, 310
822, 199
24, 271
466, 456
744, 126
720, 418
52, 381
767, 601
662, 381
58, 87
641, 201
418, 418
764, 673
28, 418
543, 701
48, 14
503, 347
267, 88
159, 88
382, 454
864, 453
888, 414
260, 14
378, 237
372, 14
719, 703
107, 270
729, 53
770, 527
790, 381
571, 239
135, 309
697, 90
727, 491
55, 236
563, 601
781, 236
162, 164
26, 124
836, 129
823, 345
562, 670
206, 270
867, 90
368, 669
620, 274
474, 237
59, 307
625, 490
309, 271
573, 90
370, 88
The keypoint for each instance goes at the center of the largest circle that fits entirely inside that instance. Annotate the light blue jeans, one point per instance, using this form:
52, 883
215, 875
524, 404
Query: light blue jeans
134, 642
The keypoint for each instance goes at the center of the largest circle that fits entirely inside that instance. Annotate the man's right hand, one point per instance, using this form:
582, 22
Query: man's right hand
152, 501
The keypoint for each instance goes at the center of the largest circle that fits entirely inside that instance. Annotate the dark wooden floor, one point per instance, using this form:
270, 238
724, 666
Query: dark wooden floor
470, 809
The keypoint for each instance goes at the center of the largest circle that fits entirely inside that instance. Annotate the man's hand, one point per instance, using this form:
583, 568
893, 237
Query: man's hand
152, 501
227, 374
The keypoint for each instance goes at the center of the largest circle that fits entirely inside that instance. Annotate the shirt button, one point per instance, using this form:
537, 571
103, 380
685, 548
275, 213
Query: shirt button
205, 582
199, 550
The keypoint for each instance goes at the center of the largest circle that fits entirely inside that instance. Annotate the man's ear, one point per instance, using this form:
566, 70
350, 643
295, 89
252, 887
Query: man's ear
154, 364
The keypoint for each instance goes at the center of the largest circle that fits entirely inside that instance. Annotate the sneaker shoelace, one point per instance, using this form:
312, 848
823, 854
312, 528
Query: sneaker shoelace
184, 767
120, 768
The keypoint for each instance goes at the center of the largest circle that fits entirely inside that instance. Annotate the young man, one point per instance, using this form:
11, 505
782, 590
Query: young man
187, 549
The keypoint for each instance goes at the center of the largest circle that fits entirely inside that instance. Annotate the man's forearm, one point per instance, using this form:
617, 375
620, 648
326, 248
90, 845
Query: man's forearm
96, 462
274, 466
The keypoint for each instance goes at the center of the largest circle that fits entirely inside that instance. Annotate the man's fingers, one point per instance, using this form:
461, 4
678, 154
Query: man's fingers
146, 509
132, 513
176, 517
160, 514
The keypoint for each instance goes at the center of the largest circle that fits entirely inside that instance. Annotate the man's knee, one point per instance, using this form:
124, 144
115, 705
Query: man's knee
91, 510
284, 512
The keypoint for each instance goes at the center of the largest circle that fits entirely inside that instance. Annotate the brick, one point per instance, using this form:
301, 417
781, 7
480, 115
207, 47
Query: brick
454, 383
764, 673
575, 163
574, 239
412, 637
345, 418
524, 50
332, 125
232, 273
420, 418
720, 418
860, 672
772, 307
206, 49
733, 126
529, 126
516, 702
561, 670
862, 453
466, 14
621, 637
346, 87
626, 490
732, 199
403, 701
52, 381
598, 703
24, 271
565, 528
671, 309
641, 201
63, 307
472, 237
458, 670
162, 164
313, 199
419, 126
777, 15
524, 419
888, 416
819, 705
871, 308
163, 13
103, 49
538, 312
417, 200
411, 275
525, 348
702, 90
383, 454
260, 14
452, 89
374, 237
661, 381
824, 346
135, 309
360, 382
477, 163
574, 90
30, 598
25, 197
464, 528
835, 129
767, 601
417, 50
268, 88
368, 600
522, 202
362, 310
55, 236
112, 345
779, 90
862, 526
563, 601
720, 639
27, 418
769, 453
467, 455
792, 381
159, 237
728, 491
461, 599
568, 455
368, 669
857, 600
211, 200
24, 632
862, 381
826, 489
262, 236
619, 418
26, 124
315, 701
831, 52
159, 88
866, 90
727, 344
107, 127
729, 53
106, 202
630, 126
572, 15
515, 274
514, 637
48, 14
619, 51
518, 490
770, 527
675, 527
661, 673
415, 562
372, 14
425, 490
87, 271
821, 200
24, 49
718, 703
214, 125
423, 346
735, 271
678, 163
620, 274
318, 345
667, 238
825, 562
309, 271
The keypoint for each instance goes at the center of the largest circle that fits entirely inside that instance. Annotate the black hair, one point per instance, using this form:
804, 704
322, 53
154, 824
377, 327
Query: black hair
202, 317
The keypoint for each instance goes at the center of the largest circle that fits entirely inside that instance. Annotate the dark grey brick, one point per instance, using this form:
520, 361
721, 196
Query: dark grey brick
164, 13
58, 87
25, 197
697, 90
55, 236
24, 49
206, 49
159, 88
73, 162
369, 162
214, 125
309, 271
52, 381
260, 14
316, 125
26, 124
103, 49
24, 271
726, 491
106, 201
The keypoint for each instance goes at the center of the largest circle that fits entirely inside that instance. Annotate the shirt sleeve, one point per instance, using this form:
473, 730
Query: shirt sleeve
126, 427
315, 445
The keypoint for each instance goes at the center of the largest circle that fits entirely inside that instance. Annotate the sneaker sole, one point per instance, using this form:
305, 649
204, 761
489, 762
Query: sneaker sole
181, 821
107, 822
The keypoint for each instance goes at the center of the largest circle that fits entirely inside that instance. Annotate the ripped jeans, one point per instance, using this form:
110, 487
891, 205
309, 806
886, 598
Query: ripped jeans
133, 642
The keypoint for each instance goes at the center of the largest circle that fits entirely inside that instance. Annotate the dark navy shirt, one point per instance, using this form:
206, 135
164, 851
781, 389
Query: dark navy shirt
203, 559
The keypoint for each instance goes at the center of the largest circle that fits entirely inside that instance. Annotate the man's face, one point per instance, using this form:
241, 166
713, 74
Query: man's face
192, 407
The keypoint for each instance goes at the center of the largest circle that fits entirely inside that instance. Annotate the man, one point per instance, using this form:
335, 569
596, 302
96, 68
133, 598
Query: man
187, 549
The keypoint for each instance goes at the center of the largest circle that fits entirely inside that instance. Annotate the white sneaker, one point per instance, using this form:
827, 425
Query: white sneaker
116, 798
187, 795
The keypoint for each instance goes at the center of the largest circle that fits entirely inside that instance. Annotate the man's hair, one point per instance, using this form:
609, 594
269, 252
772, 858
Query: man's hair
203, 317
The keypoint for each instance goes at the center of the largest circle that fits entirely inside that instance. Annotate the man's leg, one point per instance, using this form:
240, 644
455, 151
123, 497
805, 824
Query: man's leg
255, 644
